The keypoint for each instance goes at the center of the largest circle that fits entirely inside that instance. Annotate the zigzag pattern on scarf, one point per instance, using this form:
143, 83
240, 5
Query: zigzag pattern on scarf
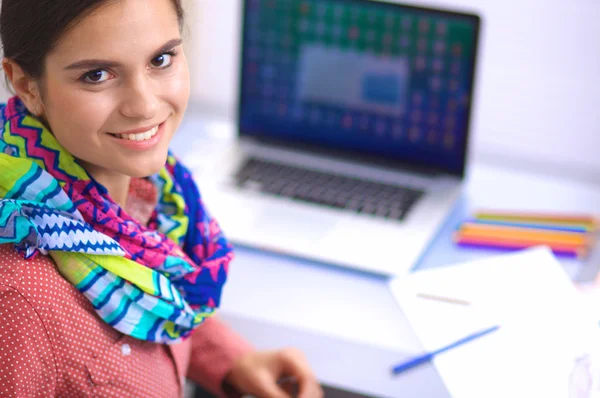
153, 284
29, 131
170, 219
54, 231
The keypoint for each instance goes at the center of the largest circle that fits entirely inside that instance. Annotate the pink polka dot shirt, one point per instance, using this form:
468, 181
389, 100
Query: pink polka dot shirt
52, 343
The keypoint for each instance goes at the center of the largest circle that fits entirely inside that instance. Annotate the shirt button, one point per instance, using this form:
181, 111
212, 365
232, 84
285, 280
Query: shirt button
125, 350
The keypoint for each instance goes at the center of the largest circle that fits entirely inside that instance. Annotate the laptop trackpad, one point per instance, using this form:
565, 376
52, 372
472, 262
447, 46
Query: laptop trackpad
297, 225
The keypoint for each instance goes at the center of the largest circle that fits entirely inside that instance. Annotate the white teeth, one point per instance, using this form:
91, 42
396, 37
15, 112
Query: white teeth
140, 136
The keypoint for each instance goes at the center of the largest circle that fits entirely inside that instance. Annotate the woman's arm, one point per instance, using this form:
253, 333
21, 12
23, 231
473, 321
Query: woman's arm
28, 366
215, 349
227, 366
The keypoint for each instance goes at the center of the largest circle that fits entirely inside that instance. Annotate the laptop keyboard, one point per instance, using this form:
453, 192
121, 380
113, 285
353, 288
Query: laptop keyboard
332, 190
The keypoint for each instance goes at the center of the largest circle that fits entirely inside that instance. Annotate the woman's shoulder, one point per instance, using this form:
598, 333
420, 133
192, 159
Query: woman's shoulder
36, 279
14, 268
40, 287
77, 349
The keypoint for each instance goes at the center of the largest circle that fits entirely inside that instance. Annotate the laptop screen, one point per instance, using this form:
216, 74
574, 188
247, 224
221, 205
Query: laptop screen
379, 80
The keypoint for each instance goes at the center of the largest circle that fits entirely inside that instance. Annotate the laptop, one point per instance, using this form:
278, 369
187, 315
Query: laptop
353, 125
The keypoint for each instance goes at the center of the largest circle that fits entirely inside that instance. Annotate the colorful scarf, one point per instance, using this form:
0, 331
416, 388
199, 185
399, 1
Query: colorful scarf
139, 279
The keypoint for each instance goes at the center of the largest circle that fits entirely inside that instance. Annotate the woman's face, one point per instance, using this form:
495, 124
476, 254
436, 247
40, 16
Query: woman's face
116, 87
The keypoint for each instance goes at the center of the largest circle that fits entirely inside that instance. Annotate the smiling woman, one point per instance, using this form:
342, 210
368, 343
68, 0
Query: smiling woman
107, 88
110, 268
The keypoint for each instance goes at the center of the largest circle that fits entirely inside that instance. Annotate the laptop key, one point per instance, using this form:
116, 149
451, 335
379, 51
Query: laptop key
396, 214
382, 212
341, 202
368, 208
354, 205
274, 188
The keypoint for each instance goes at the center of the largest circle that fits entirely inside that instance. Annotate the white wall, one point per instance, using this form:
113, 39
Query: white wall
539, 81
4, 93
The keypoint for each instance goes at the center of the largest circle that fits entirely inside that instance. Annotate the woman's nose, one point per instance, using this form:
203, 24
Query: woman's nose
140, 100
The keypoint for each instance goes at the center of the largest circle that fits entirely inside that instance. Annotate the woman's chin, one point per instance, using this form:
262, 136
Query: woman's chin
145, 172
147, 168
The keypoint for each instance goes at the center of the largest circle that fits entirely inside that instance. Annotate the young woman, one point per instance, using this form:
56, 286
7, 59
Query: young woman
110, 267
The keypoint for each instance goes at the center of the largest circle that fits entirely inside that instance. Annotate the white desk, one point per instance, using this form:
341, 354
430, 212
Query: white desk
347, 322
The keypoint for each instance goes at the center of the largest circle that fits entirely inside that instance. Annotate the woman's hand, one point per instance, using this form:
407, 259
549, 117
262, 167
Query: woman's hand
263, 374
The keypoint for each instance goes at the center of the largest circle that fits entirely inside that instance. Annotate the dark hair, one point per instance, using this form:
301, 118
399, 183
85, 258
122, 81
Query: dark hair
29, 29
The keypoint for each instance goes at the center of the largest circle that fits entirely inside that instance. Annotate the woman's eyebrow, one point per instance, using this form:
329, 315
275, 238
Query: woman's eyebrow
104, 64
169, 45
92, 64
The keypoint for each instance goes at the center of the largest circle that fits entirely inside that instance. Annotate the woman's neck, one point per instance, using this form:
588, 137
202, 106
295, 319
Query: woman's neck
117, 184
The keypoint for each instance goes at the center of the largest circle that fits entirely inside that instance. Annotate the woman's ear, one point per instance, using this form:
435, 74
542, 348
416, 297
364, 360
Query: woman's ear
25, 86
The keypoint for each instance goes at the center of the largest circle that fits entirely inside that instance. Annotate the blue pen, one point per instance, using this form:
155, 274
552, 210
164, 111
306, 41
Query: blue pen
411, 363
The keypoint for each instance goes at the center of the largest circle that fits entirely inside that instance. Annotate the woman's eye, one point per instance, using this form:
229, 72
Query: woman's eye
162, 61
96, 76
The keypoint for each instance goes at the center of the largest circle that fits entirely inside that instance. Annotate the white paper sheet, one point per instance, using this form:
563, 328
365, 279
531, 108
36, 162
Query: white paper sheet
544, 326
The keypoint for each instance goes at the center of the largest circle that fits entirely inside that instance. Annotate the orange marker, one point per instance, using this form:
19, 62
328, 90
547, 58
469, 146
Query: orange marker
593, 223
475, 230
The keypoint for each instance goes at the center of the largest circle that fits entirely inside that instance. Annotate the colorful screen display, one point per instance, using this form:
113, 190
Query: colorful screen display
366, 77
